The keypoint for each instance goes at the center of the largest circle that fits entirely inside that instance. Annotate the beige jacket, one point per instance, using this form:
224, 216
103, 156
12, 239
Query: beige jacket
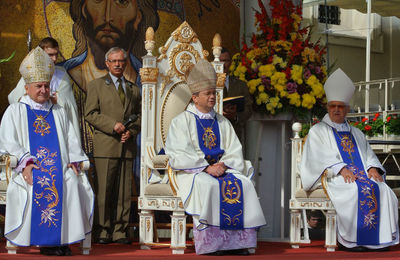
103, 109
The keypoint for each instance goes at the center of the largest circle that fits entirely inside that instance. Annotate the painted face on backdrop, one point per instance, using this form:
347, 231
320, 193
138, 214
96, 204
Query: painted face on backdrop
109, 21
337, 111
38, 91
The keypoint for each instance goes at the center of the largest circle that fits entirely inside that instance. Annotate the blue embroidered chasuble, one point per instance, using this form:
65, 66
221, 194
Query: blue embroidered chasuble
47, 190
231, 195
368, 216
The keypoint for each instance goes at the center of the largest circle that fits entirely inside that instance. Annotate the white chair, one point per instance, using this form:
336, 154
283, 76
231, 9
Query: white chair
302, 200
165, 95
7, 163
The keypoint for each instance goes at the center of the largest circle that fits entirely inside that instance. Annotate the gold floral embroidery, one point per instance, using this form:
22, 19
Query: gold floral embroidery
231, 194
231, 220
46, 158
209, 138
41, 126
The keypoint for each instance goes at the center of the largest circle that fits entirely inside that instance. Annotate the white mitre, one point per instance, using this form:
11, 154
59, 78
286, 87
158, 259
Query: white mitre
339, 87
37, 66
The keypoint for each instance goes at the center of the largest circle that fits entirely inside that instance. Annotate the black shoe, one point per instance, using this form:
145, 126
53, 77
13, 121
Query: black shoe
239, 252
383, 249
67, 251
217, 253
104, 241
54, 250
124, 241
352, 249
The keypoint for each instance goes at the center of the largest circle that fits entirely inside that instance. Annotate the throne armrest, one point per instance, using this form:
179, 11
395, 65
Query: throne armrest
7, 163
160, 161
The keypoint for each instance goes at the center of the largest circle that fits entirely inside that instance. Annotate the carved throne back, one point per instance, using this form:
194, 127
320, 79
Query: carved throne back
165, 95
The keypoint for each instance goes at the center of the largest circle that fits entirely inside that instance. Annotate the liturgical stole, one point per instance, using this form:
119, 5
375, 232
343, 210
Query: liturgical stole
47, 191
231, 192
368, 216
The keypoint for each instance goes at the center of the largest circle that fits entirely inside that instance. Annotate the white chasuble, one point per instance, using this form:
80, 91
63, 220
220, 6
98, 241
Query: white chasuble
200, 192
321, 152
78, 197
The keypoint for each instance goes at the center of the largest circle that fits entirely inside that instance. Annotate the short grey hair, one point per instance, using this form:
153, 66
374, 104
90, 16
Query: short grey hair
116, 49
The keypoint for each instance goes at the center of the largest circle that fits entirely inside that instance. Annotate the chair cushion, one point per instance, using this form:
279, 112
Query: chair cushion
160, 161
318, 193
158, 189
3, 185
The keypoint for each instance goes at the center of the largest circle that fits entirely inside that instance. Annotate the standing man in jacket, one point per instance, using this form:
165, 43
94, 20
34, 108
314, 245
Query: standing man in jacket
111, 101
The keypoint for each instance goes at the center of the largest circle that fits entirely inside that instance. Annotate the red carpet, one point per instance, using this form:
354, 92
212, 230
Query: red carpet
266, 250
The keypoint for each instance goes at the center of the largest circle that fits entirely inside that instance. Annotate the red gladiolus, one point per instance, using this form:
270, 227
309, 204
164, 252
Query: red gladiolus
356, 123
388, 118
365, 119
367, 128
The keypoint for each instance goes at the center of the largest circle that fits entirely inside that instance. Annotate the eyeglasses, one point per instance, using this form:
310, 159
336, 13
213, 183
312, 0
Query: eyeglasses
116, 61
333, 106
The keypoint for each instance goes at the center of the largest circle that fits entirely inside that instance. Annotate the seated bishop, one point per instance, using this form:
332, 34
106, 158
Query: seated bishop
203, 147
367, 214
49, 202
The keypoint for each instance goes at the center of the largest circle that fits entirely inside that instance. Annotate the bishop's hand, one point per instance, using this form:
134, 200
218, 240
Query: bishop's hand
373, 173
27, 173
348, 176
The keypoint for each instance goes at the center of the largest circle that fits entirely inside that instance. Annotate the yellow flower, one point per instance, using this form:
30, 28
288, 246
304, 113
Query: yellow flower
308, 55
253, 83
316, 86
308, 101
294, 99
278, 78
297, 74
261, 88
263, 97
266, 70
279, 60
251, 54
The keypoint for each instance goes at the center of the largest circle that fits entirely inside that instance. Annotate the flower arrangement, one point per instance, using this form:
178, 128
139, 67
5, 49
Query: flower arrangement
373, 127
283, 70
392, 125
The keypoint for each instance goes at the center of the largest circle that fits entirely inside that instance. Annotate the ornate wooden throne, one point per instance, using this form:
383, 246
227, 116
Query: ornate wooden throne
165, 95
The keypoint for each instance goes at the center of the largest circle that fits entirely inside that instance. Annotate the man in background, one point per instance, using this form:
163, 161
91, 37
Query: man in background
235, 87
111, 101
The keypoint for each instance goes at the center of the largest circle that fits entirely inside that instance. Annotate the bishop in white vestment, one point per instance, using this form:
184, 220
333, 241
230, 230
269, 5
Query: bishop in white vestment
367, 214
203, 146
49, 204
60, 85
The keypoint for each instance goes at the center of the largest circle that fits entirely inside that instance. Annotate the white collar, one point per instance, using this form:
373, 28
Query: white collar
340, 127
34, 105
210, 115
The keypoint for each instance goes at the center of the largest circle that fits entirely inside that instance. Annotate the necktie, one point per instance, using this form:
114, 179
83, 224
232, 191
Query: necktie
121, 92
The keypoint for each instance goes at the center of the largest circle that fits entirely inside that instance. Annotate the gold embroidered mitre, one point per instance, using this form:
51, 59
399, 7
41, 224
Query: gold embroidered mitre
201, 77
37, 66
